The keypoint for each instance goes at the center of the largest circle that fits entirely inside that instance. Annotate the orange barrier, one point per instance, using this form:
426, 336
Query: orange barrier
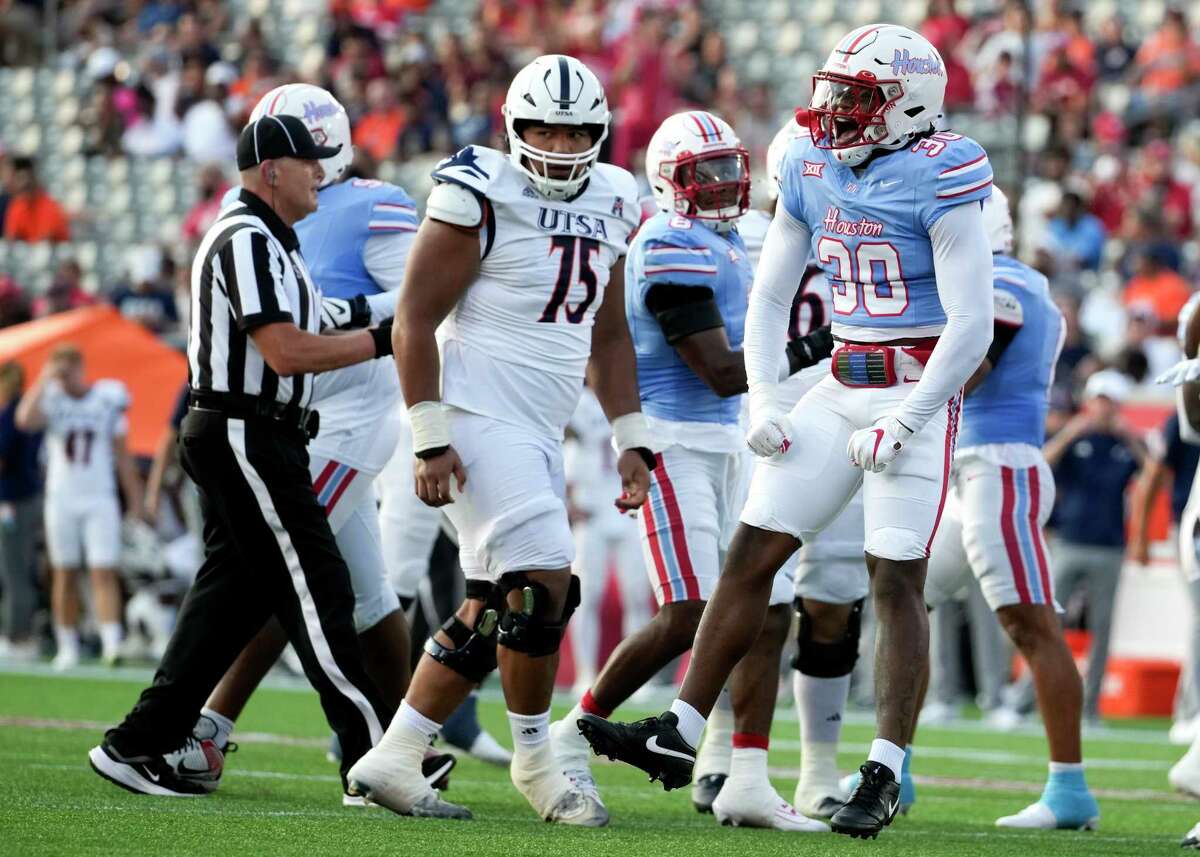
113, 347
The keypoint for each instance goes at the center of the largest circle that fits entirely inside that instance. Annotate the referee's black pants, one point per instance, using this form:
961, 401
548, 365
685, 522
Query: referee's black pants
268, 550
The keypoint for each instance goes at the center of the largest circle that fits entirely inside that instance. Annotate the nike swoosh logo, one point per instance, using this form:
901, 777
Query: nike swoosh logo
908, 380
892, 182
653, 747
893, 807
878, 439
152, 775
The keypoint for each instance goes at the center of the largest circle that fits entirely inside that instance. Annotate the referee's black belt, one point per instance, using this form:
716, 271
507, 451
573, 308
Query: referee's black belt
240, 406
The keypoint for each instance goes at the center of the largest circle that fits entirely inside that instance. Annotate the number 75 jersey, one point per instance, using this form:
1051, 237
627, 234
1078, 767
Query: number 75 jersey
516, 345
870, 229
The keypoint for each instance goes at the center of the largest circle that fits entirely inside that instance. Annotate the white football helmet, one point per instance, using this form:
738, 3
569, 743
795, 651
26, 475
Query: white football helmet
321, 113
997, 218
699, 168
880, 87
555, 90
783, 138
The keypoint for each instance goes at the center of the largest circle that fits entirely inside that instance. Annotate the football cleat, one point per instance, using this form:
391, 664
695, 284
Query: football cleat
66, 659
705, 791
487, 749
198, 761
653, 744
822, 801
908, 790
376, 778
1062, 811
872, 806
580, 807
148, 775
1184, 775
1192, 839
759, 805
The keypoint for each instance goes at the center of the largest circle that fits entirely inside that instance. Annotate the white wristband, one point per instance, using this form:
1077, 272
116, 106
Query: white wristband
630, 431
429, 427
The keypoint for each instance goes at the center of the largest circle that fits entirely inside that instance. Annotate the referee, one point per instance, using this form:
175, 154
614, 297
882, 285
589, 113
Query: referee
253, 346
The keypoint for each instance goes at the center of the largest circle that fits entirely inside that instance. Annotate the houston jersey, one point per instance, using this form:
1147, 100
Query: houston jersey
516, 345
674, 250
79, 438
1010, 405
334, 242
870, 229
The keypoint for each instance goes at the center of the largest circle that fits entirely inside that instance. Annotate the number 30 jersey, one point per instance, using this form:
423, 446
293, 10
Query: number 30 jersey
79, 438
516, 346
870, 228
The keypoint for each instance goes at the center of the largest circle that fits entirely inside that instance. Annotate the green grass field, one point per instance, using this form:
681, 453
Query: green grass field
280, 796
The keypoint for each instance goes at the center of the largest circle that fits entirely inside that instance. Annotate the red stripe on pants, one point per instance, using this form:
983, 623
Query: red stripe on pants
660, 565
340, 490
323, 477
951, 430
1013, 548
1035, 532
678, 536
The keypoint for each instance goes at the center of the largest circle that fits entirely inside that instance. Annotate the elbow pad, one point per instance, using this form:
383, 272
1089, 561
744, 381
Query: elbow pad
456, 205
681, 321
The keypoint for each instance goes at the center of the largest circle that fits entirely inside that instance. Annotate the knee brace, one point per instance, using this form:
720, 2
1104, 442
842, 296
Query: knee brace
527, 630
827, 660
474, 652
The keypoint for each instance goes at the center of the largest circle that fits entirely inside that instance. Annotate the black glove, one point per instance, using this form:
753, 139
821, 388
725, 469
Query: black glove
342, 314
383, 338
809, 350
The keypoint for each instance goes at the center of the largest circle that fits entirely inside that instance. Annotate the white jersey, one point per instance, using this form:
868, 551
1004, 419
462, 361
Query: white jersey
591, 466
516, 346
79, 438
811, 309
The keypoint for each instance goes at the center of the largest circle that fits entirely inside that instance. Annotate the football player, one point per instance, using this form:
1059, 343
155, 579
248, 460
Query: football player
521, 254
1005, 491
689, 276
889, 208
831, 577
356, 244
85, 427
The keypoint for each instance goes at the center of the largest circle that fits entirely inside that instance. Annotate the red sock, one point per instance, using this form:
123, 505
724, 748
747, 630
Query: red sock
590, 706
743, 740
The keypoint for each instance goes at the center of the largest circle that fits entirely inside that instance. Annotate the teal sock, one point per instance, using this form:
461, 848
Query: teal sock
1066, 776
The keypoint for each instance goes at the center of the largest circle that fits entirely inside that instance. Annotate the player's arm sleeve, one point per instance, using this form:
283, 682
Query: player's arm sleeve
385, 256
785, 251
962, 264
253, 269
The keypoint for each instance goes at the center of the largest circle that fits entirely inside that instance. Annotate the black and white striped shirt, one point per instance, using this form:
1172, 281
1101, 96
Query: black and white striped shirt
248, 272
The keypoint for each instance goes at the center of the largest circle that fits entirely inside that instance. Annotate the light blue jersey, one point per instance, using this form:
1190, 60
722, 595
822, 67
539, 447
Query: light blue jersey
675, 250
870, 228
1010, 405
333, 238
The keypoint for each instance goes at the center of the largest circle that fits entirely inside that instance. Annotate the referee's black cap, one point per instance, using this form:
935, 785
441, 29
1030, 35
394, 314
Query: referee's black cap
279, 137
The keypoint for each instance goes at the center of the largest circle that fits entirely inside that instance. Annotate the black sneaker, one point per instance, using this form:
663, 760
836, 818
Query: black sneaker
872, 806
653, 744
147, 775
705, 791
436, 769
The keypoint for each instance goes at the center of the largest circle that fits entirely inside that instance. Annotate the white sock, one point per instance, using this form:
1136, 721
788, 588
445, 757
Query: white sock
1064, 767
111, 634
66, 638
529, 730
888, 754
409, 730
222, 723
748, 764
691, 722
713, 757
820, 704
818, 764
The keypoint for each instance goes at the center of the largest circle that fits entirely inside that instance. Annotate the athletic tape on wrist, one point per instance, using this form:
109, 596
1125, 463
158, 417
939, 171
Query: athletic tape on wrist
630, 431
429, 427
